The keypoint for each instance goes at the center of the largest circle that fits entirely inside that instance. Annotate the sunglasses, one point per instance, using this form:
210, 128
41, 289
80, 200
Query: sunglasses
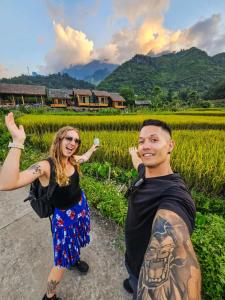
70, 139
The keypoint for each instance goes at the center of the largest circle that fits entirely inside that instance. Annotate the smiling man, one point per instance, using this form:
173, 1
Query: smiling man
161, 213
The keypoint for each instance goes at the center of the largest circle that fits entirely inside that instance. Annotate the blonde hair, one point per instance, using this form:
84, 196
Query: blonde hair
56, 154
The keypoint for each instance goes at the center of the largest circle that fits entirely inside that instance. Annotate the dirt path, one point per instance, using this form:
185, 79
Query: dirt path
26, 256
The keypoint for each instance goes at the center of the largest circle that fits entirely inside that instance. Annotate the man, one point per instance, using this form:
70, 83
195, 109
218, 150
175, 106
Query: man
159, 255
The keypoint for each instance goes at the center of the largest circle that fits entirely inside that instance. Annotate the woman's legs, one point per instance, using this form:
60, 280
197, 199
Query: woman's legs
54, 278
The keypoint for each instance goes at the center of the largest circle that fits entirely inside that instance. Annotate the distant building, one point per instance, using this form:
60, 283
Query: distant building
117, 100
142, 103
83, 97
60, 97
12, 94
101, 98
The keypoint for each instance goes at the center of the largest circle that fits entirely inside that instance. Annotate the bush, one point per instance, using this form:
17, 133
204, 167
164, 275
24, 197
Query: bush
209, 240
207, 205
106, 198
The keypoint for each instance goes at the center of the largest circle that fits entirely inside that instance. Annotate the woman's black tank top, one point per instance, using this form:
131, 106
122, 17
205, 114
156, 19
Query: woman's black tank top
64, 197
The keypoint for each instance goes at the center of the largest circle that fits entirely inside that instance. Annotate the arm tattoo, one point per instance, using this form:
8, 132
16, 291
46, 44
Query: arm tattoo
51, 287
36, 169
170, 270
81, 160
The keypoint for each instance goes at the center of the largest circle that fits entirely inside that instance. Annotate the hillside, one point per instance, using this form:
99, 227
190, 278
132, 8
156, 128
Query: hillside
56, 81
191, 68
93, 72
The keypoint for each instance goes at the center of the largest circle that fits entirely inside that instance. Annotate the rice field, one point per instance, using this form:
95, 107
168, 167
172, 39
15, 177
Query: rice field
198, 155
39, 124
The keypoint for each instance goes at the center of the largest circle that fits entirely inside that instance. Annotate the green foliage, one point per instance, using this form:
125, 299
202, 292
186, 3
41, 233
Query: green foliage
57, 81
190, 68
106, 198
209, 240
107, 171
127, 93
206, 204
216, 91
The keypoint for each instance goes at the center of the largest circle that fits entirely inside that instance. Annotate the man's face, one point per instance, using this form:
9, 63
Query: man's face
153, 146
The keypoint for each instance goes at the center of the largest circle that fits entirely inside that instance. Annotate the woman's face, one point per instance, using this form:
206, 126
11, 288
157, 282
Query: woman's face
70, 143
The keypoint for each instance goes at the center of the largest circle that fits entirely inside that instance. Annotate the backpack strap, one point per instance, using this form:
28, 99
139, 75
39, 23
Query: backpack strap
52, 179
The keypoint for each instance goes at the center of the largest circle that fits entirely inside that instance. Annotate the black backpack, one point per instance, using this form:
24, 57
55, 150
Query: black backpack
39, 197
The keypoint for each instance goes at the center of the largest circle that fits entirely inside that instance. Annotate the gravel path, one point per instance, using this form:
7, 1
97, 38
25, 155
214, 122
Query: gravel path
26, 256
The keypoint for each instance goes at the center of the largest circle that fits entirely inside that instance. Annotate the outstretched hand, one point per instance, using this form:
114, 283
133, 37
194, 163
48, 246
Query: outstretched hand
94, 147
133, 151
17, 133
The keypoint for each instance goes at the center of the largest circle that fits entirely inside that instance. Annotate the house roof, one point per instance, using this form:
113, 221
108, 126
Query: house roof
59, 93
22, 89
82, 92
116, 97
142, 102
101, 93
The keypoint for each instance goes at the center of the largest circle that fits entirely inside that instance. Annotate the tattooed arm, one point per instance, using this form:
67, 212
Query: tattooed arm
11, 178
170, 270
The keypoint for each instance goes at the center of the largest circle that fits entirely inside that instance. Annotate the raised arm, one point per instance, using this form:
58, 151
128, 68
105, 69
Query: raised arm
134, 157
86, 156
170, 269
10, 176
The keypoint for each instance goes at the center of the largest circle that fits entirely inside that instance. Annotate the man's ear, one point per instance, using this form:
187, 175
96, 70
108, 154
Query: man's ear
171, 146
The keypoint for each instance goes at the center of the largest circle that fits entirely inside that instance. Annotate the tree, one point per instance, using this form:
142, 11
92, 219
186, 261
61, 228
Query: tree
127, 93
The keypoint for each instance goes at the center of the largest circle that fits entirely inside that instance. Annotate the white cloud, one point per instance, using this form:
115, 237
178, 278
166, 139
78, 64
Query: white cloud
135, 9
145, 33
71, 47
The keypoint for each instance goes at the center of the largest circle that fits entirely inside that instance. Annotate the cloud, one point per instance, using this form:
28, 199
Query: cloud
135, 9
144, 33
71, 47
151, 36
56, 12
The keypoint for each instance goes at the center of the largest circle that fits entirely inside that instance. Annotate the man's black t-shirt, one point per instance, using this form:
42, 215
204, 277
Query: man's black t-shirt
163, 192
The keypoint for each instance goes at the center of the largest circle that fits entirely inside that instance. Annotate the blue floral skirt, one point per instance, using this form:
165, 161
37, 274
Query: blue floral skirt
70, 231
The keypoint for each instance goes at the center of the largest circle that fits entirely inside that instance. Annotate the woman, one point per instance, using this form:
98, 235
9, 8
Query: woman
70, 222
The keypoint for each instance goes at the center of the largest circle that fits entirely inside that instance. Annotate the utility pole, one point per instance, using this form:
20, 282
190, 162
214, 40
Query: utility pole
28, 71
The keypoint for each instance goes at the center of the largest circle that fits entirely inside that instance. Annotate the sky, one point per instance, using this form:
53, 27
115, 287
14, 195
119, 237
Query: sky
46, 36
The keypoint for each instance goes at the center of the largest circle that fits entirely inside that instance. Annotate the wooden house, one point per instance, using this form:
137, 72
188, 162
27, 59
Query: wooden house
101, 98
83, 98
60, 97
12, 94
117, 101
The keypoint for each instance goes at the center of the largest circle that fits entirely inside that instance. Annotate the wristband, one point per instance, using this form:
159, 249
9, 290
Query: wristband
16, 145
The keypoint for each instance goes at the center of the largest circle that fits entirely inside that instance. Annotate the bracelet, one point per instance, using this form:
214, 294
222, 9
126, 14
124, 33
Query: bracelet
16, 145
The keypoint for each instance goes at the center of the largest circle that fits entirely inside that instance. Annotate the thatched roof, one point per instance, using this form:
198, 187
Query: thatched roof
101, 93
22, 89
60, 93
82, 92
116, 97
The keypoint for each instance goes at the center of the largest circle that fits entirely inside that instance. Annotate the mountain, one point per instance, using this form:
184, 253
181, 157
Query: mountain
219, 59
192, 68
56, 81
93, 72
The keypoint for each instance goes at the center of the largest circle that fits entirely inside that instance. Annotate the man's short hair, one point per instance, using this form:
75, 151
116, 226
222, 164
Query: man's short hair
158, 123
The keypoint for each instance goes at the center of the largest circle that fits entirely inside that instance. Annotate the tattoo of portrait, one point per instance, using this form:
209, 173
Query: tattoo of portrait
36, 169
51, 287
170, 270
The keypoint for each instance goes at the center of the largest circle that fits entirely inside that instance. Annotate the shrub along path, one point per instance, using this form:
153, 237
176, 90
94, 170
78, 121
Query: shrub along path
26, 256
